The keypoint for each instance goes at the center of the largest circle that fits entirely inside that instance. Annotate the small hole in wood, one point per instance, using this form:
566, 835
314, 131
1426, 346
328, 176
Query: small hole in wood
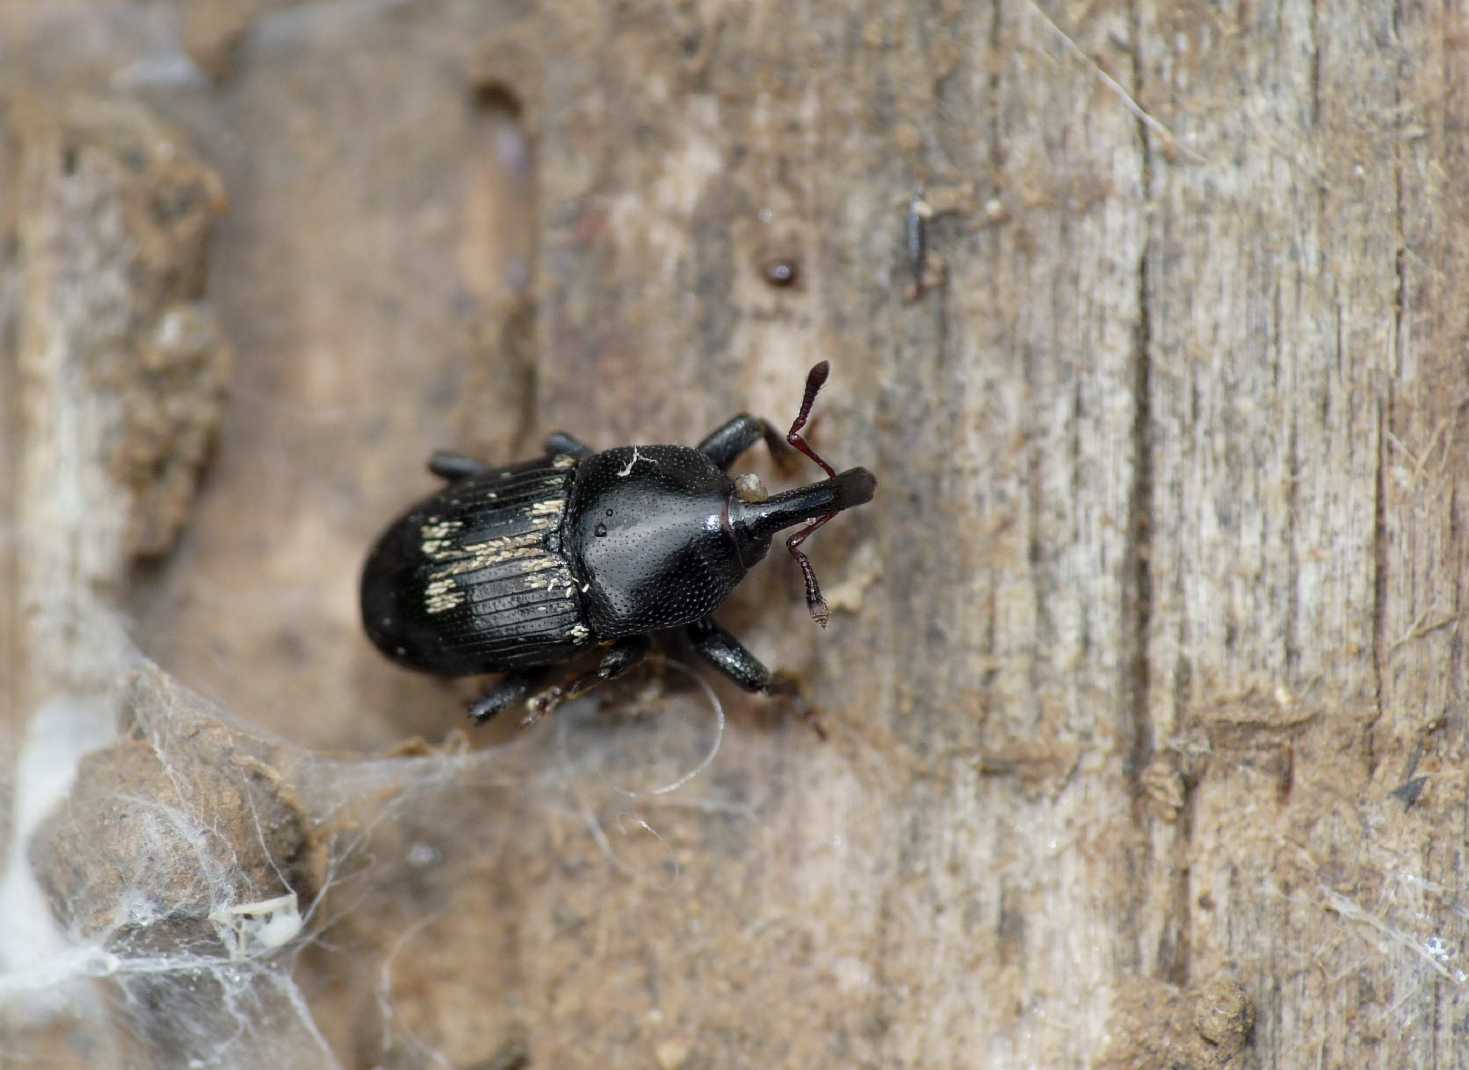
495, 96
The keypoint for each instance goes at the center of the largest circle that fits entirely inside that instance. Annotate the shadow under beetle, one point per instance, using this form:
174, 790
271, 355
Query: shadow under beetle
518, 569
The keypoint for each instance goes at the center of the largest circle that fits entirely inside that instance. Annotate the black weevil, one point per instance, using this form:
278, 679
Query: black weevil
518, 569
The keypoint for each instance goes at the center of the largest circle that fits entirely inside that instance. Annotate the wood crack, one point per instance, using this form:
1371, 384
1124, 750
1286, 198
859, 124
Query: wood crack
1380, 642
1292, 502
1171, 953
1139, 593
1381, 645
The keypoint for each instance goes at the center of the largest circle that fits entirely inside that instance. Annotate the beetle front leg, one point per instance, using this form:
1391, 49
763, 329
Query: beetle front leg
512, 689
729, 656
619, 657
725, 653
738, 434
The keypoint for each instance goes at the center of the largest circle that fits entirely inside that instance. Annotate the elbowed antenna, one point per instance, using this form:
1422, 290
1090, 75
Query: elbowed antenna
757, 522
858, 487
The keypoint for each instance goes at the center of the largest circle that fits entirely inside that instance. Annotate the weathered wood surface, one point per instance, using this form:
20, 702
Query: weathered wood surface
1158, 604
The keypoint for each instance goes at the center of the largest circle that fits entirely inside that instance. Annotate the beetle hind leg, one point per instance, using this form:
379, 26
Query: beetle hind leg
509, 691
619, 657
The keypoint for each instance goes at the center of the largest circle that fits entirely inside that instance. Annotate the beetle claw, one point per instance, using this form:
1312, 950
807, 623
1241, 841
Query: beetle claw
784, 688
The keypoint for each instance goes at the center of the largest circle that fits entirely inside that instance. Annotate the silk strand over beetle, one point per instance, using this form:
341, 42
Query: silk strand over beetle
519, 569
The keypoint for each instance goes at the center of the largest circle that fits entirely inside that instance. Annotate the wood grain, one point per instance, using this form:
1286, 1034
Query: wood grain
1154, 627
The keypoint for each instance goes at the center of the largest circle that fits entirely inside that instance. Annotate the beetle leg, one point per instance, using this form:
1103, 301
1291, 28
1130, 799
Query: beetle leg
738, 434
619, 657
725, 653
561, 442
506, 693
455, 466
728, 655
623, 655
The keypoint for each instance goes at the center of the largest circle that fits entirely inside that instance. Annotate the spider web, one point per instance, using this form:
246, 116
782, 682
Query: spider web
170, 871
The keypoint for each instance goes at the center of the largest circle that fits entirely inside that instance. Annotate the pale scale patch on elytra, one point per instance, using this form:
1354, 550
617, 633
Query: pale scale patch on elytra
491, 552
436, 538
440, 545
552, 580
441, 595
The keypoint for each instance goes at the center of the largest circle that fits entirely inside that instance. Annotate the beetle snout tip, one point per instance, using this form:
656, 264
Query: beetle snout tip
855, 486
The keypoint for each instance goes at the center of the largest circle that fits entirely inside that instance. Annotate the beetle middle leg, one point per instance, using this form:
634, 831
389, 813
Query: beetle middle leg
738, 434
618, 658
561, 442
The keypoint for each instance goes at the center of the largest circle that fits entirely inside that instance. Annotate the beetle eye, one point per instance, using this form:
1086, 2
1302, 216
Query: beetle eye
749, 488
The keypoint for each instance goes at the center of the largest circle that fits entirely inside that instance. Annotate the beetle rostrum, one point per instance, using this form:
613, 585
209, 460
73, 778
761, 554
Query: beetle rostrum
520, 568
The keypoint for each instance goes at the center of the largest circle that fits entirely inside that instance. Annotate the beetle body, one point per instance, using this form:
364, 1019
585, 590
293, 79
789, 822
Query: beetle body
519, 568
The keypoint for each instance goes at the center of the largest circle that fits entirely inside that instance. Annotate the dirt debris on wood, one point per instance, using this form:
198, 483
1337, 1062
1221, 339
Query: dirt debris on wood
1157, 1026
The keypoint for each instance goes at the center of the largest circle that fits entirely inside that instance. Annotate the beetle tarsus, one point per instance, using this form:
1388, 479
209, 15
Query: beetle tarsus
784, 687
542, 703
